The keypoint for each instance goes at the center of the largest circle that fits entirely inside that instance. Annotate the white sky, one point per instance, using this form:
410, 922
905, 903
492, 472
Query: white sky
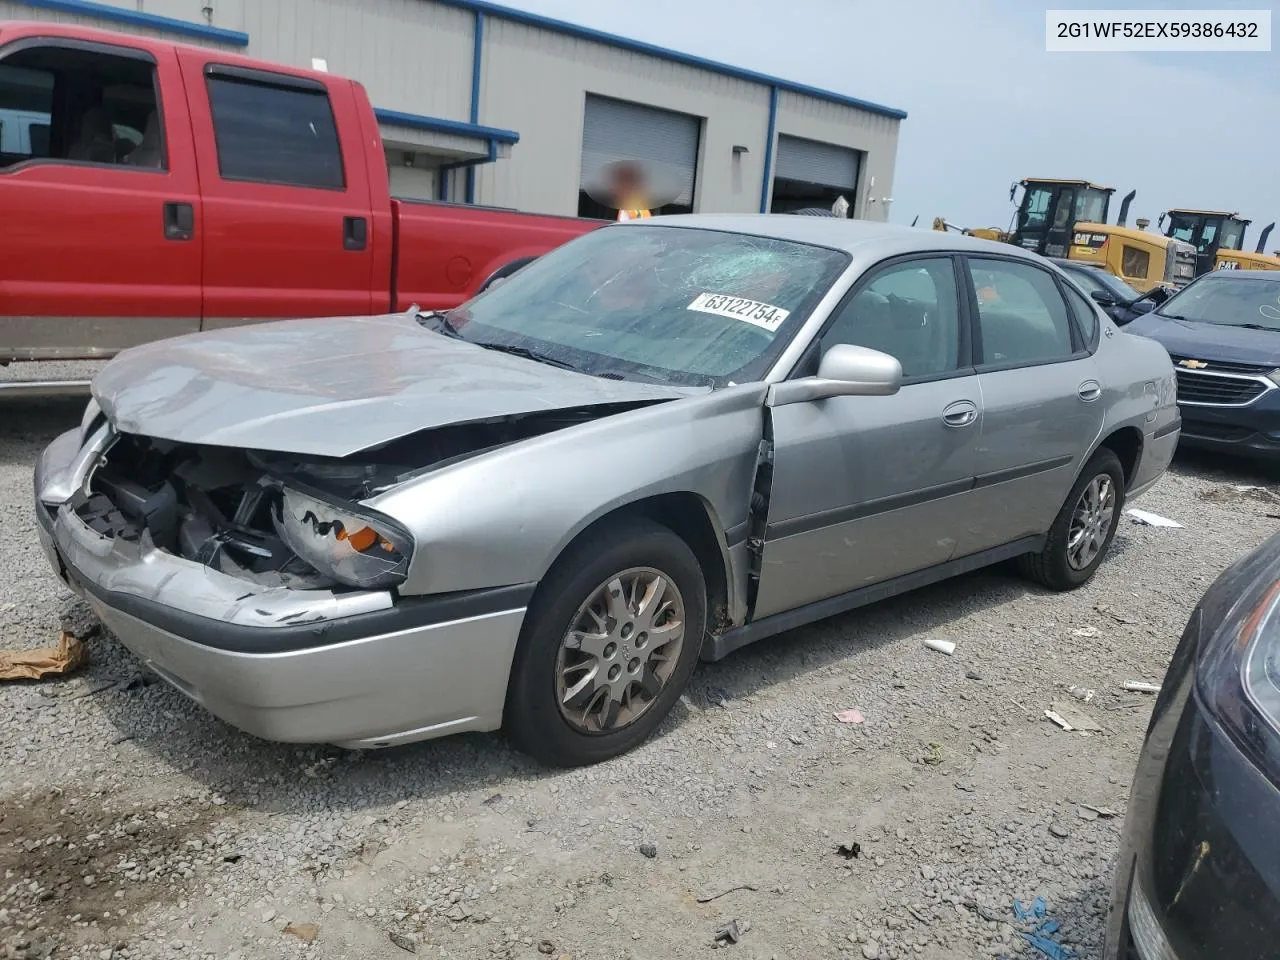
987, 105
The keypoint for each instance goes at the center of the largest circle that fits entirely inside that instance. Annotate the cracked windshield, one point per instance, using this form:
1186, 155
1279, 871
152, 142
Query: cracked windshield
696, 307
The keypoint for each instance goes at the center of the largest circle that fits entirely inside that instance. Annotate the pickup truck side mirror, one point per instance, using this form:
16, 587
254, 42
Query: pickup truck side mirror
844, 371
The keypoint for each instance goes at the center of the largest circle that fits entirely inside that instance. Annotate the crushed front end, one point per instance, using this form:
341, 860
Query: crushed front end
260, 586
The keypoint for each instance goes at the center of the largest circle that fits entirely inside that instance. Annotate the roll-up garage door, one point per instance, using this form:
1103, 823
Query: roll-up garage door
809, 161
662, 140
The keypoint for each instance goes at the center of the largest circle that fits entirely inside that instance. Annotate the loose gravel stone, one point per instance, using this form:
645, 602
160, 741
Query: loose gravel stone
133, 825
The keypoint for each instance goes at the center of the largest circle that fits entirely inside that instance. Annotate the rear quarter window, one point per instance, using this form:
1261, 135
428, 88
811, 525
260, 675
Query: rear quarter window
1086, 314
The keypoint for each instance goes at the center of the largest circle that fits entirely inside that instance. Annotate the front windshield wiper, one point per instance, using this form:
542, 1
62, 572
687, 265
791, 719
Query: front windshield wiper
528, 354
440, 322
1174, 316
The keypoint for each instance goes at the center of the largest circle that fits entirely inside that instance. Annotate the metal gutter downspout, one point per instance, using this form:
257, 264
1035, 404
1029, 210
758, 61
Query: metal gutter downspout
477, 59
477, 62
767, 179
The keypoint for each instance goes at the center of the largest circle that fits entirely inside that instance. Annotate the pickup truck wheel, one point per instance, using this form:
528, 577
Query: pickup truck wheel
1083, 530
608, 645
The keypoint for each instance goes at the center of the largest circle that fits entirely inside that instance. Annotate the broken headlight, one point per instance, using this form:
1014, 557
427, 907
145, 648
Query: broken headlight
1239, 677
356, 547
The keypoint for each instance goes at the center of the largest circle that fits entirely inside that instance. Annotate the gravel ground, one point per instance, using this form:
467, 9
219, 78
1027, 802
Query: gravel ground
134, 825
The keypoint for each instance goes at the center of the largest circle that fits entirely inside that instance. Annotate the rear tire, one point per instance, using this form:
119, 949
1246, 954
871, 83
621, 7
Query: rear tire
1084, 528
596, 670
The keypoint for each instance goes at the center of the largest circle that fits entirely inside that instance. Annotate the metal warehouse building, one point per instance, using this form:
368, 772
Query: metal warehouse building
486, 104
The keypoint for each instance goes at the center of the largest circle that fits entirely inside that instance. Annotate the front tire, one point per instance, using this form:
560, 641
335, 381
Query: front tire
608, 645
1084, 528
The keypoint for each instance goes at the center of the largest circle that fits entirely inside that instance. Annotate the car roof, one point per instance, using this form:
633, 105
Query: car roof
1206, 213
1077, 265
860, 238
1273, 275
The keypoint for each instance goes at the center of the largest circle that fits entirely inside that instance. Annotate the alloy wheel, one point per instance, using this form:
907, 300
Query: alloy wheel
620, 650
1091, 521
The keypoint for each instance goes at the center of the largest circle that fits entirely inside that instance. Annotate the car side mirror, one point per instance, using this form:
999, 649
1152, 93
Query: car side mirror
844, 371
1157, 295
1102, 299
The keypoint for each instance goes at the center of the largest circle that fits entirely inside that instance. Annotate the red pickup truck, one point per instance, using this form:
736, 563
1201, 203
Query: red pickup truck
149, 189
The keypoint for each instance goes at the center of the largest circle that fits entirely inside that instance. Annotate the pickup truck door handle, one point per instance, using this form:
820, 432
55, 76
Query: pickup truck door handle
960, 414
1090, 391
355, 233
179, 220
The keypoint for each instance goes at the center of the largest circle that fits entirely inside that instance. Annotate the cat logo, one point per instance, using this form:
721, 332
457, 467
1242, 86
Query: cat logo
1193, 364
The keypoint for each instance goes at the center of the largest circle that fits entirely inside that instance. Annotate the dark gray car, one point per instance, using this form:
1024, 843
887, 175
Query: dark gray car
660, 442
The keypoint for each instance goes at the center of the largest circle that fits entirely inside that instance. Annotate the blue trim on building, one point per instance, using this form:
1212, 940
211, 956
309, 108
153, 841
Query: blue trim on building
87, 8
664, 53
477, 61
767, 177
437, 125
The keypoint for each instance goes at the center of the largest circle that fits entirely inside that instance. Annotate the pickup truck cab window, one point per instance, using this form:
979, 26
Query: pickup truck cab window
1022, 318
64, 102
268, 133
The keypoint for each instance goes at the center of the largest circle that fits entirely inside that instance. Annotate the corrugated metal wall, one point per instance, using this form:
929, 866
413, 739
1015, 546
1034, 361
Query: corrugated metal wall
230, 13
410, 55
415, 56
536, 82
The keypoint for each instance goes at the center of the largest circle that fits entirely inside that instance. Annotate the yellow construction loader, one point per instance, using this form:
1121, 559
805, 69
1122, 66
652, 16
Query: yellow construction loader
1068, 219
1218, 237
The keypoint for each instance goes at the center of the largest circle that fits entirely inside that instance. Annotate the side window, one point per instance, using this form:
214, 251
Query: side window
1134, 262
1086, 314
85, 106
1036, 206
1086, 283
275, 134
908, 310
1021, 316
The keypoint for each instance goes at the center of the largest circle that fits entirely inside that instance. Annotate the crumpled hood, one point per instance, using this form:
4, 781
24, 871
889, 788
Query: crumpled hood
1208, 341
333, 387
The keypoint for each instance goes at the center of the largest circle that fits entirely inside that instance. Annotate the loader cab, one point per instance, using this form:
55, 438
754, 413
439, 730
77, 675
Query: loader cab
1050, 209
1208, 231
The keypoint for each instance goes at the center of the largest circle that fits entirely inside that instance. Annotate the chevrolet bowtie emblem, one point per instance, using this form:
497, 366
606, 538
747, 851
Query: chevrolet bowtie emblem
1193, 364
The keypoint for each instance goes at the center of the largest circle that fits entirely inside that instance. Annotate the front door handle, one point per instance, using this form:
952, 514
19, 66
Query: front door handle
1090, 391
355, 233
179, 220
960, 414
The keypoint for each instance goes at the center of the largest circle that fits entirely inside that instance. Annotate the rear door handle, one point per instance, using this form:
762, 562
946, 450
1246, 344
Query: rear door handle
1090, 391
355, 233
960, 414
179, 220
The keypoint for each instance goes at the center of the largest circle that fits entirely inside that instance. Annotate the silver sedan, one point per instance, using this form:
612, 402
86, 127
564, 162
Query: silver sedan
663, 441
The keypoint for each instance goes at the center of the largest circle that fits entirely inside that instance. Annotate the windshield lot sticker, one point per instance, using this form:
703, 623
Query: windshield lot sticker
763, 315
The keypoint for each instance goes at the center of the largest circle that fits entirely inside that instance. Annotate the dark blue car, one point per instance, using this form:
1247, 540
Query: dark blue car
1223, 333
1198, 876
1120, 301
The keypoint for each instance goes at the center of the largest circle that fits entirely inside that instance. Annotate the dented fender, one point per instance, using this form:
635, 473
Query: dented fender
503, 517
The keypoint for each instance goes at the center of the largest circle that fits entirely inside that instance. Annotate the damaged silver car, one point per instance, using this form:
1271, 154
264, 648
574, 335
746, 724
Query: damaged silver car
663, 441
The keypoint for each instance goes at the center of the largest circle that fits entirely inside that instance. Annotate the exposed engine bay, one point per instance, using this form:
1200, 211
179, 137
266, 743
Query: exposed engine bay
223, 507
